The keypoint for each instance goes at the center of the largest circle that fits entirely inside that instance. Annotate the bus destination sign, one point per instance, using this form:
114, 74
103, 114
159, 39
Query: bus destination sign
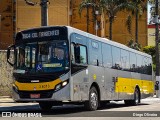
40, 34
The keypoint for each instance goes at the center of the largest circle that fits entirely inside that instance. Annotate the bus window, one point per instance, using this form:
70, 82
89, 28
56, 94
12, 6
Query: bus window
95, 53
107, 55
133, 63
116, 58
72, 53
21, 58
149, 67
27, 56
139, 63
145, 65
125, 60
79, 54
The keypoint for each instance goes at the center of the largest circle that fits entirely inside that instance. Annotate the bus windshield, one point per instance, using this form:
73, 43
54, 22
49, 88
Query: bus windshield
42, 57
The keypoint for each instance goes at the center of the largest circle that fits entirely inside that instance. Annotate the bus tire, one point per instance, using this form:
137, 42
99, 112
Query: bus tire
45, 105
93, 102
136, 99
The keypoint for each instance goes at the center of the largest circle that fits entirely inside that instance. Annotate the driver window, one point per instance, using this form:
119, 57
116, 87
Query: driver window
79, 54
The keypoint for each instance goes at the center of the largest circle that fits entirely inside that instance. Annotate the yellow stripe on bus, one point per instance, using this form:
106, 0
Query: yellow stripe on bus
127, 85
37, 86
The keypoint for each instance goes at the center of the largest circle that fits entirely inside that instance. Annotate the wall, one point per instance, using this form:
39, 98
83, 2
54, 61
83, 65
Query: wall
19, 16
30, 16
64, 12
151, 35
5, 75
6, 32
119, 33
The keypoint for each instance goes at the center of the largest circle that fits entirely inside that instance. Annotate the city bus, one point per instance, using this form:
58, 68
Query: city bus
61, 64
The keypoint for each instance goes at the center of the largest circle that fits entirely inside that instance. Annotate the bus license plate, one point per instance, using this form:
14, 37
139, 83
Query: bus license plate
34, 95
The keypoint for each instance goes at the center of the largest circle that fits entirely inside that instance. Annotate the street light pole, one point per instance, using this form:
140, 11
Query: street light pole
157, 48
157, 38
44, 10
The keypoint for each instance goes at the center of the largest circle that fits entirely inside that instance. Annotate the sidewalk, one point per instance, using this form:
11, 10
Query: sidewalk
6, 99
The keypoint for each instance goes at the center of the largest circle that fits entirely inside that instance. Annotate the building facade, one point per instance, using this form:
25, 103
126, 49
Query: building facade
16, 15
151, 35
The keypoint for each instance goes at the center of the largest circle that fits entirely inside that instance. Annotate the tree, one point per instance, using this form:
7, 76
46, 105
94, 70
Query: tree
151, 50
86, 4
134, 45
111, 8
139, 6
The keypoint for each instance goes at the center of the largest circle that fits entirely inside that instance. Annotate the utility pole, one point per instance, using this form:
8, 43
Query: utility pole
157, 37
44, 10
157, 42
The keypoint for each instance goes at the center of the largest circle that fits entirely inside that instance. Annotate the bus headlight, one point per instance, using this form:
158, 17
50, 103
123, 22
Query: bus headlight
61, 85
64, 83
58, 86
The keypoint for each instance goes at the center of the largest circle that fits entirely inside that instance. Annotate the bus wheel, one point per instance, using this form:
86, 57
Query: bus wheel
45, 105
93, 102
136, 99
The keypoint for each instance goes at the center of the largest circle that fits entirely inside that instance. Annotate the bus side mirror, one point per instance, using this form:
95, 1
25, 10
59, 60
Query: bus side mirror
9, 59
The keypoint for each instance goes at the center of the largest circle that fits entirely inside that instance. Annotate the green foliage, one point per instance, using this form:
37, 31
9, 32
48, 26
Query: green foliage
151, 50
109, 7
129, 24
137, 9
134, 45
85, 4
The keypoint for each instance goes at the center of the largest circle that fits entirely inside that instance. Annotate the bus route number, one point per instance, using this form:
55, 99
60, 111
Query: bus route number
44, 86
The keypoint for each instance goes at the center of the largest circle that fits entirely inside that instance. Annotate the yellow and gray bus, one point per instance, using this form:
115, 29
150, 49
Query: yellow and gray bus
58, 64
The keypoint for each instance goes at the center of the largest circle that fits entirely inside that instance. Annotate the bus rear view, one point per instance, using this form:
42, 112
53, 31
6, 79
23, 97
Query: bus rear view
41, 66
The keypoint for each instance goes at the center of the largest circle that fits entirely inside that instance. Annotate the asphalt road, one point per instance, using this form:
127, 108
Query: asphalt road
148, 108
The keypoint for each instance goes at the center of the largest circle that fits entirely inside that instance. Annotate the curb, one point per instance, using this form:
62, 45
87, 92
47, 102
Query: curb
1, 97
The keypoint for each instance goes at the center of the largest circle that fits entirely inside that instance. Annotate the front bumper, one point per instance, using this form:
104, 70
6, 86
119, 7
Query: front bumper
48, 95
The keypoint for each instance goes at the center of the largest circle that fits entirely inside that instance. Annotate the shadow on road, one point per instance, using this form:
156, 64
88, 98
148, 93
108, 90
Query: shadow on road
65, 110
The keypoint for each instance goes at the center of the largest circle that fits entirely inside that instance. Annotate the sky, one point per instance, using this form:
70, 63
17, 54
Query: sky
149, 15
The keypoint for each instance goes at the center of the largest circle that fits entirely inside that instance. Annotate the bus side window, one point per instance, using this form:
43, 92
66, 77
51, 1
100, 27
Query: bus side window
139, 63
79, 54
149, 67
133, 63
116, 58
72, 53
145, 65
